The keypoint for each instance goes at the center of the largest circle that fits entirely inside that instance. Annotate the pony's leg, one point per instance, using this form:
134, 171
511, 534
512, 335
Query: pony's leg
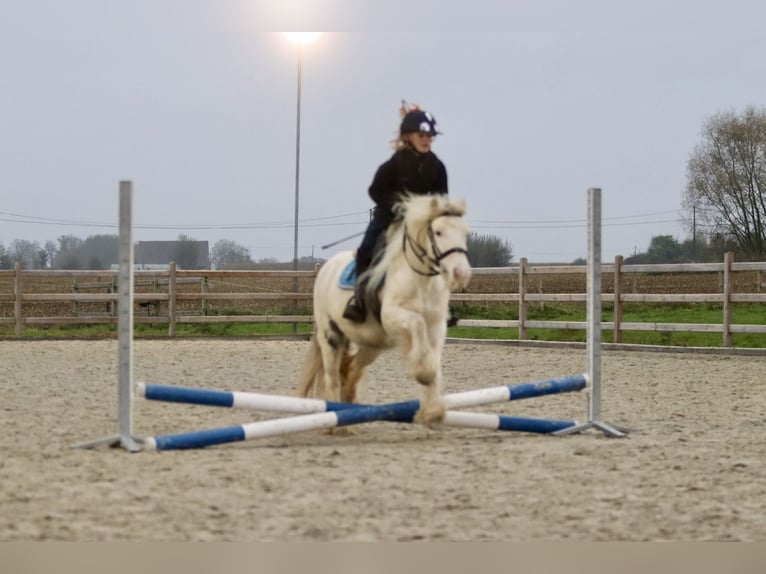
335, 359
354, 371
333, 346
312, 369
412, 333
432, 407
409, 330
350, 376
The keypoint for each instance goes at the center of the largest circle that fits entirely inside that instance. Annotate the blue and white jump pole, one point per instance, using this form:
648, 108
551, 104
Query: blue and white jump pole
326, 414
287, 404
396, 412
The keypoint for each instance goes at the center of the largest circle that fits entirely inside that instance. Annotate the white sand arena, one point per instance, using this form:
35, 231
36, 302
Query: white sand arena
694, 467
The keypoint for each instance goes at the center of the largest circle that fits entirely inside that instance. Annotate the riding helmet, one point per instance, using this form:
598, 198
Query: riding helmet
418, 121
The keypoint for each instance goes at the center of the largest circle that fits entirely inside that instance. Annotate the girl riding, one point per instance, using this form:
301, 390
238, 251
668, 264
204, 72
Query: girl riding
412, 169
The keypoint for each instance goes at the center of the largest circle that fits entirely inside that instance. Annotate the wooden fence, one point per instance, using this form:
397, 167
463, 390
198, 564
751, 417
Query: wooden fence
618, 297
186, 296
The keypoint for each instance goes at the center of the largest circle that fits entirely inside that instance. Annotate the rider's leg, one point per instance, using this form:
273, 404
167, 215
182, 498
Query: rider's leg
356, 309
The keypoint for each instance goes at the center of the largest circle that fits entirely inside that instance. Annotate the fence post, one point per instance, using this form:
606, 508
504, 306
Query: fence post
522, 299
203, 289
75, 304
728, 259
17, 302
172, 299
618, 260
111, 306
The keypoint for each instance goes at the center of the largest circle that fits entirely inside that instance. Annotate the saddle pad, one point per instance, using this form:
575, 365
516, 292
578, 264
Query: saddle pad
348, 276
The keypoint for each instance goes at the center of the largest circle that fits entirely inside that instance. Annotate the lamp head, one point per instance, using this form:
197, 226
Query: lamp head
301, 38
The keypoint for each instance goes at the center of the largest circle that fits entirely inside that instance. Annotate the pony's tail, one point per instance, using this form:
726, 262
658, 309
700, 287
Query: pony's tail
312, 369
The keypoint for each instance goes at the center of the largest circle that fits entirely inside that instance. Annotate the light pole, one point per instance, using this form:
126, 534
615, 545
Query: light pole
300, 39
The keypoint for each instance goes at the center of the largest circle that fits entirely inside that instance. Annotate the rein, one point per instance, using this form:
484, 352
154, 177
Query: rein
432, 262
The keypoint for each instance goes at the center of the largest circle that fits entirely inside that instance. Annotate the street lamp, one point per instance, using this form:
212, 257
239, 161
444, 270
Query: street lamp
300, 39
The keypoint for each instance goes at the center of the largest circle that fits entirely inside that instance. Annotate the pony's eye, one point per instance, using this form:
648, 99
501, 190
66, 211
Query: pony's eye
438, 234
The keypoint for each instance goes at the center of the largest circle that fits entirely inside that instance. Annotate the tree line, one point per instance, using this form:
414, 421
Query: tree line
724, 206
100, 252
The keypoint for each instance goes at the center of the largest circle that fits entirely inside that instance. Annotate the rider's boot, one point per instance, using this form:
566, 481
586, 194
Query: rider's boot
356, 310
452, 318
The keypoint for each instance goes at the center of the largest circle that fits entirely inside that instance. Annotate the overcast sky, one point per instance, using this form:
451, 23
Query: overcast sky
196, 104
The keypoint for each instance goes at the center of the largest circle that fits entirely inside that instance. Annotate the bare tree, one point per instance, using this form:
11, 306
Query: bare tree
726, 179
67, 255
226, 253
27, 252
5, 258
99, 251
185, 253
489, 251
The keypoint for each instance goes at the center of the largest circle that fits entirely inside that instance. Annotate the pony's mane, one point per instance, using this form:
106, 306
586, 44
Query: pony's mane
412, 215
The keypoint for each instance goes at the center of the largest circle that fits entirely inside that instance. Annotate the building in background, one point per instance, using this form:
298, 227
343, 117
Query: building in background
185, 254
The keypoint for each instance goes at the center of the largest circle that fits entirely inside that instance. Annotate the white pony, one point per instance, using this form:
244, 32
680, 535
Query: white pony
407, 290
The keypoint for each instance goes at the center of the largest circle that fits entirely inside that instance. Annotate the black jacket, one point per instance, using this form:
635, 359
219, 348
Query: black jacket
406, 171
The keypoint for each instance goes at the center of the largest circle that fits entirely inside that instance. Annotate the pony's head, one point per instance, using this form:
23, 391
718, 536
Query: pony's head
429, 231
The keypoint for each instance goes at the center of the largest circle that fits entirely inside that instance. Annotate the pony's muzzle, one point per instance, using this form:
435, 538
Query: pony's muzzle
460, 276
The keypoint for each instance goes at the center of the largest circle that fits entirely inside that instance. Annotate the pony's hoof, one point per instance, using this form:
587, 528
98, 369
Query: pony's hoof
430, 416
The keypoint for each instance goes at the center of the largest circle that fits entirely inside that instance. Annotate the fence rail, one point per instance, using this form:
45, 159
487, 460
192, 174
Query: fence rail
172, 289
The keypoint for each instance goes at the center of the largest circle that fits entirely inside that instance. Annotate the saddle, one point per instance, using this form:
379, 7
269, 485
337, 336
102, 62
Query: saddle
347, 278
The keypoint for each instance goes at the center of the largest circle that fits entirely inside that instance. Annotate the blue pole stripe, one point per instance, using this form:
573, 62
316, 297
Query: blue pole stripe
397, 412
200, 438
189, 396
522, 424
529, 390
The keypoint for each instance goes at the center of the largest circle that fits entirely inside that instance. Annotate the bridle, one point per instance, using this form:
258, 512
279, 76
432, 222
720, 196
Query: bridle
433, 260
